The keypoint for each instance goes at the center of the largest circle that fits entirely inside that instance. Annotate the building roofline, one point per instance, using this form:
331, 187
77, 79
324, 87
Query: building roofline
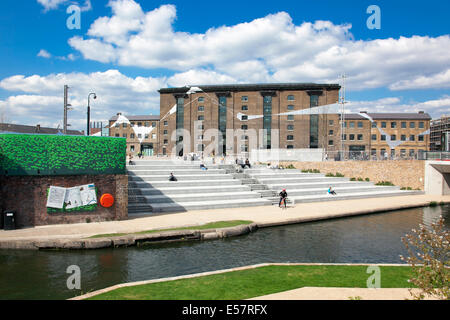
255, 87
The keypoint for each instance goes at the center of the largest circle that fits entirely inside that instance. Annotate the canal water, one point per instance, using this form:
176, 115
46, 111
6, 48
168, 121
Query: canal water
365, 239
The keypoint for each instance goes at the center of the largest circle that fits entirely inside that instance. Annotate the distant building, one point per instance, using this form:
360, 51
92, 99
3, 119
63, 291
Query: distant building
19, 128
147, 143
440, 134
388, 135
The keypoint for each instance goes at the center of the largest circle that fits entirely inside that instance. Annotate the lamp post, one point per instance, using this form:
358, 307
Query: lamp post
89, 112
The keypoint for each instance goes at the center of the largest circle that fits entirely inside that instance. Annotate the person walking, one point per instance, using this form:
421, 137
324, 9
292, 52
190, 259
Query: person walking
283, 197
247, 164
130, 159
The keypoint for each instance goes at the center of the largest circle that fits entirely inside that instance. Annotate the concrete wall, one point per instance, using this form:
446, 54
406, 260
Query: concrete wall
437, 178
403, 173
27, 195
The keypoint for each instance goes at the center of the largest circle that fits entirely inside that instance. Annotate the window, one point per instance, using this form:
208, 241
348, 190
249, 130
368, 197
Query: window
244, 99
394, 137
331, 132
132, 148
117, 125
393, 125
125, 125
352, 124
139, 136
124, 135
290, 108
383, 152
290, 118
345, 124
244, 127
200, 137
131, 135
154, 124
139, 124
201, 118
330, 142
147, 136
154, 136
166, 123
412, 138
201, 127
344, 137
411, 153
131, 124
383, 137
374, 124
166, 141
373, 152
331, 123
117, 135
165, 132
403, 152
201, 147
360, 137
290, 138
201, 108
290, 127
244, 138
421, 138
412, 125
383, 124
290, 146
244, 148
352, 137
244, 108
421, 125
403, 137
147, 124
291, 98
360, 124
244, 118
374, 137
201, 99
403, 125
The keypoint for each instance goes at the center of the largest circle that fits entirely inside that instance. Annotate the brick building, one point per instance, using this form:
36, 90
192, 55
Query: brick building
388, 135
138, 140
248, 109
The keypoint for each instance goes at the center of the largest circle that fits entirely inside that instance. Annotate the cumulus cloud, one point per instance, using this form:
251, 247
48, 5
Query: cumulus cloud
44, 54
269, 49
440, 80
42, 96
54, 4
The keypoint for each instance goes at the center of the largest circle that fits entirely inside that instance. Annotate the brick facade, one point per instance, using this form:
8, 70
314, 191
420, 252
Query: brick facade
27, 195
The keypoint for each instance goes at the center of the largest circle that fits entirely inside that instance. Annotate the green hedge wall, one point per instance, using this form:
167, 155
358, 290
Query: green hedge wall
26, 154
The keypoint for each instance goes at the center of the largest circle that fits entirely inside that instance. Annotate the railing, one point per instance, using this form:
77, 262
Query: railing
438, 156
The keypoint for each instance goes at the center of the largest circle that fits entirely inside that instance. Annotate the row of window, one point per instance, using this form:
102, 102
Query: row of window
132, 136
245, 98
139, 124
393, 124
382, 137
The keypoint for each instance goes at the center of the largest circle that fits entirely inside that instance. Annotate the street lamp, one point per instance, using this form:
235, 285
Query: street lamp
89, 112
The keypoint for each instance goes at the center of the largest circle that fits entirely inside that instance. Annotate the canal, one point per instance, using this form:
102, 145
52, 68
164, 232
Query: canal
365, 239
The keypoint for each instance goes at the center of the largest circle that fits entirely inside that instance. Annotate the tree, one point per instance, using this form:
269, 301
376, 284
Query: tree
429, 255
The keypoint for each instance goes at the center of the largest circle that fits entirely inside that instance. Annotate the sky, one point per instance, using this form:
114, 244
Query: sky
126, 50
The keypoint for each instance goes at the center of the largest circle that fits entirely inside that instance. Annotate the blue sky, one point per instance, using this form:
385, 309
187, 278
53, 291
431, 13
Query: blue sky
126, 50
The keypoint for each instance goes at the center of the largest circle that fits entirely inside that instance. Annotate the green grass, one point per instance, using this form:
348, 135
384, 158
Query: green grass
212, 225
252, 283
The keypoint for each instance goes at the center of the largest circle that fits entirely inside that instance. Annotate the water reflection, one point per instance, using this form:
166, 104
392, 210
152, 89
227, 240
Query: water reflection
365, 239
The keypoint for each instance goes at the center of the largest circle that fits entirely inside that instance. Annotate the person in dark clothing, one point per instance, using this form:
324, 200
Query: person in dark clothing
331, 191
247, 163
283, 197
172, 177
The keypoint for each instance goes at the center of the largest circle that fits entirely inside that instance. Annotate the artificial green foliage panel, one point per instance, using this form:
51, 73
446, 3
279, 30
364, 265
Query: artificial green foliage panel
23, 154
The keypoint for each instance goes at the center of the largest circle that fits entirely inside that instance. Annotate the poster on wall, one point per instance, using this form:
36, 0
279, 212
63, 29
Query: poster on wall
72, 198
56, 197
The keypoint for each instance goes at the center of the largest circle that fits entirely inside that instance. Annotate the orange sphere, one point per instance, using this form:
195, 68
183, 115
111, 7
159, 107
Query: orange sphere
107, 200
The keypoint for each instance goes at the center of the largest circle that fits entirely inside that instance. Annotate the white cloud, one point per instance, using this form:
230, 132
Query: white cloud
440, 80
54, 4
269, 49
43, 96
44, 54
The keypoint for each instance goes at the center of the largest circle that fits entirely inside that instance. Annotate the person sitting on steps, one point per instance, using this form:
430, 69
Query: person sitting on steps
331, 191
172, 177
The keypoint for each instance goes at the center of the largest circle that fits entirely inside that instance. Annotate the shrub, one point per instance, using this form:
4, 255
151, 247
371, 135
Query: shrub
329, 175
291, 166
360, 179
384, 183
367, 179
352, 179
339, 175
316, 171
429, 257
433, 204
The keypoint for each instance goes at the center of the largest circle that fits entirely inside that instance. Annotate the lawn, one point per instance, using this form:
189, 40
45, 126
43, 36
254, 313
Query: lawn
212, 225
261, 281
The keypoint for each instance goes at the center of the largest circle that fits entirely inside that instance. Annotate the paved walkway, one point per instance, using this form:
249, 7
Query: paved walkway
311, 293
263, 216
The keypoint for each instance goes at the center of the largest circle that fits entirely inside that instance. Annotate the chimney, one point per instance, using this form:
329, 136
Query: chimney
363, 112
119, 114
421, 112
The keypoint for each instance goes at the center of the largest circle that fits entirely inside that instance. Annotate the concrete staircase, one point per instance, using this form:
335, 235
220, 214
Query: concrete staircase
311, 187
150, 190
